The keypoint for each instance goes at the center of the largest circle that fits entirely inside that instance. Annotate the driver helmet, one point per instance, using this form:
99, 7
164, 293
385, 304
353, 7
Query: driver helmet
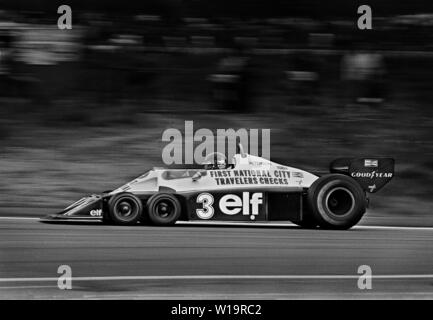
215, 161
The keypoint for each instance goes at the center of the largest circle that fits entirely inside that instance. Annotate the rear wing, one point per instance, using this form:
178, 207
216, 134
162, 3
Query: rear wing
371, 173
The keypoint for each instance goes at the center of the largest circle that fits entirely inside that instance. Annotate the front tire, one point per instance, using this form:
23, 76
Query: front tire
163, 209
125, 209
336, 201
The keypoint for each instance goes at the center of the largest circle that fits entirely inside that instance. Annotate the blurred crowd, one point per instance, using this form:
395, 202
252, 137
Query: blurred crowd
77, 103
110, 58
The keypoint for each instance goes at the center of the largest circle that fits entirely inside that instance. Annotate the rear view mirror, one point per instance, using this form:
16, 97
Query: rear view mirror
241, 150
196, 176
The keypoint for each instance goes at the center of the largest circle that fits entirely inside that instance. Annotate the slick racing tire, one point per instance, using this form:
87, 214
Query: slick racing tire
124, 209
336, 201
163, 209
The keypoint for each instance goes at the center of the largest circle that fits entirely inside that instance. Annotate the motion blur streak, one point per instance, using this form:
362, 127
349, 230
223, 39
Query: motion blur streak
83, 110
29, 249
90, 104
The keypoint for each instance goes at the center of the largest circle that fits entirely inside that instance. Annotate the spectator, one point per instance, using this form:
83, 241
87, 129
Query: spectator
363, 73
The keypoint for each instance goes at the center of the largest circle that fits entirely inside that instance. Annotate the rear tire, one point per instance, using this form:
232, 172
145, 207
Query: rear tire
336, 201
124, 209
163, 209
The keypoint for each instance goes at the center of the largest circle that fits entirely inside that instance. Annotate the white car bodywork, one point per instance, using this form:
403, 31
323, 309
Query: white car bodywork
249, 172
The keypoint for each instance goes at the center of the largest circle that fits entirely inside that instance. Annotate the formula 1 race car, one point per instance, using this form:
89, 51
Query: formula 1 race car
251, 189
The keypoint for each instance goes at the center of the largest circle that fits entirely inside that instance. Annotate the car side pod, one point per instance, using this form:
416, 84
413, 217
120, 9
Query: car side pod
87, 209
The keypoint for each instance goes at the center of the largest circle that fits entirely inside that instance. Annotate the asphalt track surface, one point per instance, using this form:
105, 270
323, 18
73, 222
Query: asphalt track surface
212, 262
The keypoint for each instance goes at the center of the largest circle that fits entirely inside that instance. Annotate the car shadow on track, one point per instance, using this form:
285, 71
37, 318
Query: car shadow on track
195, 225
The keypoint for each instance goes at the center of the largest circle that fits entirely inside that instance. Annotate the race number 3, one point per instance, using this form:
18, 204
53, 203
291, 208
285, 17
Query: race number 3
207, 212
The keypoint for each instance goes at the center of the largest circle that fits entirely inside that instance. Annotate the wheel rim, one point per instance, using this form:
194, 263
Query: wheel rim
164, 208
340, 201
126, 209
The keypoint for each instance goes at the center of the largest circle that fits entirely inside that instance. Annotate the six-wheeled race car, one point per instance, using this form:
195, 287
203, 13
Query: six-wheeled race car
250, 188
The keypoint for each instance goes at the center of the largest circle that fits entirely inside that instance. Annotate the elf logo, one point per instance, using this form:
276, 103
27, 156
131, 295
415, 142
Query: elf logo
96, 213
230, 204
